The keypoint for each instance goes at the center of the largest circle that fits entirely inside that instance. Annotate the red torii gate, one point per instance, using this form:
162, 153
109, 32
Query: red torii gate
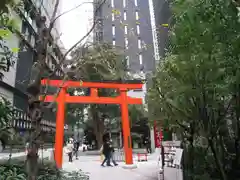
64, 97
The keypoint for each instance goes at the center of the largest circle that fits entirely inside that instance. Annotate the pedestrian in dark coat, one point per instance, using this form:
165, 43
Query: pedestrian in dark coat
112, 154
107, 153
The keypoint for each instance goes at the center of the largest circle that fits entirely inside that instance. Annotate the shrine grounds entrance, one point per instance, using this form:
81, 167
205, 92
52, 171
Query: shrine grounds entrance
63, 97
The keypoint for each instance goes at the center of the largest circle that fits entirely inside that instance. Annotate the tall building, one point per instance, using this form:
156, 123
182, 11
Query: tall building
127, 25
161, 17
27, 55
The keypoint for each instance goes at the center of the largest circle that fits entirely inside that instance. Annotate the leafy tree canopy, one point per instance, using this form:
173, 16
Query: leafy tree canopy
196, 87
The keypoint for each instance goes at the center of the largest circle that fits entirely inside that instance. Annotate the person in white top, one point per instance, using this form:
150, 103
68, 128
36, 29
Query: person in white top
69, 149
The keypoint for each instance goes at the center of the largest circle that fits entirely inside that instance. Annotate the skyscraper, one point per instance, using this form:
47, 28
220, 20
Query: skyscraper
127, 25
162, 16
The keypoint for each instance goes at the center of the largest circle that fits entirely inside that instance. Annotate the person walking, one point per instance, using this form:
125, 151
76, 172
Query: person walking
148, 145
112, 153
107, 153
76, 148
69, 150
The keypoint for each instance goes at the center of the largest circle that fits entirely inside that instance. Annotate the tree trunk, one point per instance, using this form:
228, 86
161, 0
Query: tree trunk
191, 157
99, 138
235, 166
35, 107
217, 160
98, 125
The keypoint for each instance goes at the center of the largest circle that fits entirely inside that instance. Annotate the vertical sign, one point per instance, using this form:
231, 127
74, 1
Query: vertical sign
157, 135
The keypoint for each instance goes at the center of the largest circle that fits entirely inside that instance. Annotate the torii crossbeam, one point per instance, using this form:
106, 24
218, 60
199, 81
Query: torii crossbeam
63, 97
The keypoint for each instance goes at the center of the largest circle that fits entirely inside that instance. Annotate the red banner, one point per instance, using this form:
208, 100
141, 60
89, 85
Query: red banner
157, 135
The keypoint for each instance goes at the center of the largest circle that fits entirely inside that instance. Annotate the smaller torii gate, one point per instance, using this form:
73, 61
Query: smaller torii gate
123, 100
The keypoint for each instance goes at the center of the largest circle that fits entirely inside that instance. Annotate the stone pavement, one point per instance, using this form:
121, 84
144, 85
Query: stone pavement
91, 165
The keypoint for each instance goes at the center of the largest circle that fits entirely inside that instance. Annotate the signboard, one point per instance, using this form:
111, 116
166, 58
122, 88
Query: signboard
172, 143
157, 135
178, 156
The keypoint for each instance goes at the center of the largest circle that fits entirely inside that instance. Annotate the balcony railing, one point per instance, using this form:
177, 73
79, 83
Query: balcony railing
22, 121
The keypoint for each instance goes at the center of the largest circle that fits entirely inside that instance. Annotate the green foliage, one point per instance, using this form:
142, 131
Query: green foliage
8, 25
14, 170
196, 87
10, 174
5, 112
75, 175
98, 63
6, 115
136, 113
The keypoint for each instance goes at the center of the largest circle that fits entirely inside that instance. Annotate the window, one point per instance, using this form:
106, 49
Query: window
112, 3
137, 15
99, 36
140, 59
125, 30
138, 29
114, 43
125, 15
136, 2
126, 43
124, 3
113, 17
139, 44
113, 30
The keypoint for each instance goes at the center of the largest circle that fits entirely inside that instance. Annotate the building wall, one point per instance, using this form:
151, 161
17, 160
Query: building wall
23, 73
162, 16
129, 41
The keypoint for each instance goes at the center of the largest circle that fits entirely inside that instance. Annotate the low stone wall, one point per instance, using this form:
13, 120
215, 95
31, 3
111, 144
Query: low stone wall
45, 154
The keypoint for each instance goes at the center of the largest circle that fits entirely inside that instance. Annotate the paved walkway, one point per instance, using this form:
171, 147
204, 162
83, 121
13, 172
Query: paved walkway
91, 165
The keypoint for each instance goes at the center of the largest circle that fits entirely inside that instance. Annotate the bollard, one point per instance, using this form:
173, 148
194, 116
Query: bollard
146, 159
161, 174
139, 155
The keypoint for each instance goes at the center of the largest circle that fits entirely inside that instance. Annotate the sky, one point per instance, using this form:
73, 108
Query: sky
75, 24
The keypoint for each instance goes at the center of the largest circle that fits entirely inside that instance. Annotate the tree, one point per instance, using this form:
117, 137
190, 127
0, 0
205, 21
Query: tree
8, 25
40, 70
6, 113
195, 87
98, 62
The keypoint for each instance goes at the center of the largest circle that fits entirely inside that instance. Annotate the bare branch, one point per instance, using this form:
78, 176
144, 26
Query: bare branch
77, 43
70, 10
52, 21
58, 66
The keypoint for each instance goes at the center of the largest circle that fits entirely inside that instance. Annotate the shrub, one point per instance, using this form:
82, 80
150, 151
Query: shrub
14, 170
